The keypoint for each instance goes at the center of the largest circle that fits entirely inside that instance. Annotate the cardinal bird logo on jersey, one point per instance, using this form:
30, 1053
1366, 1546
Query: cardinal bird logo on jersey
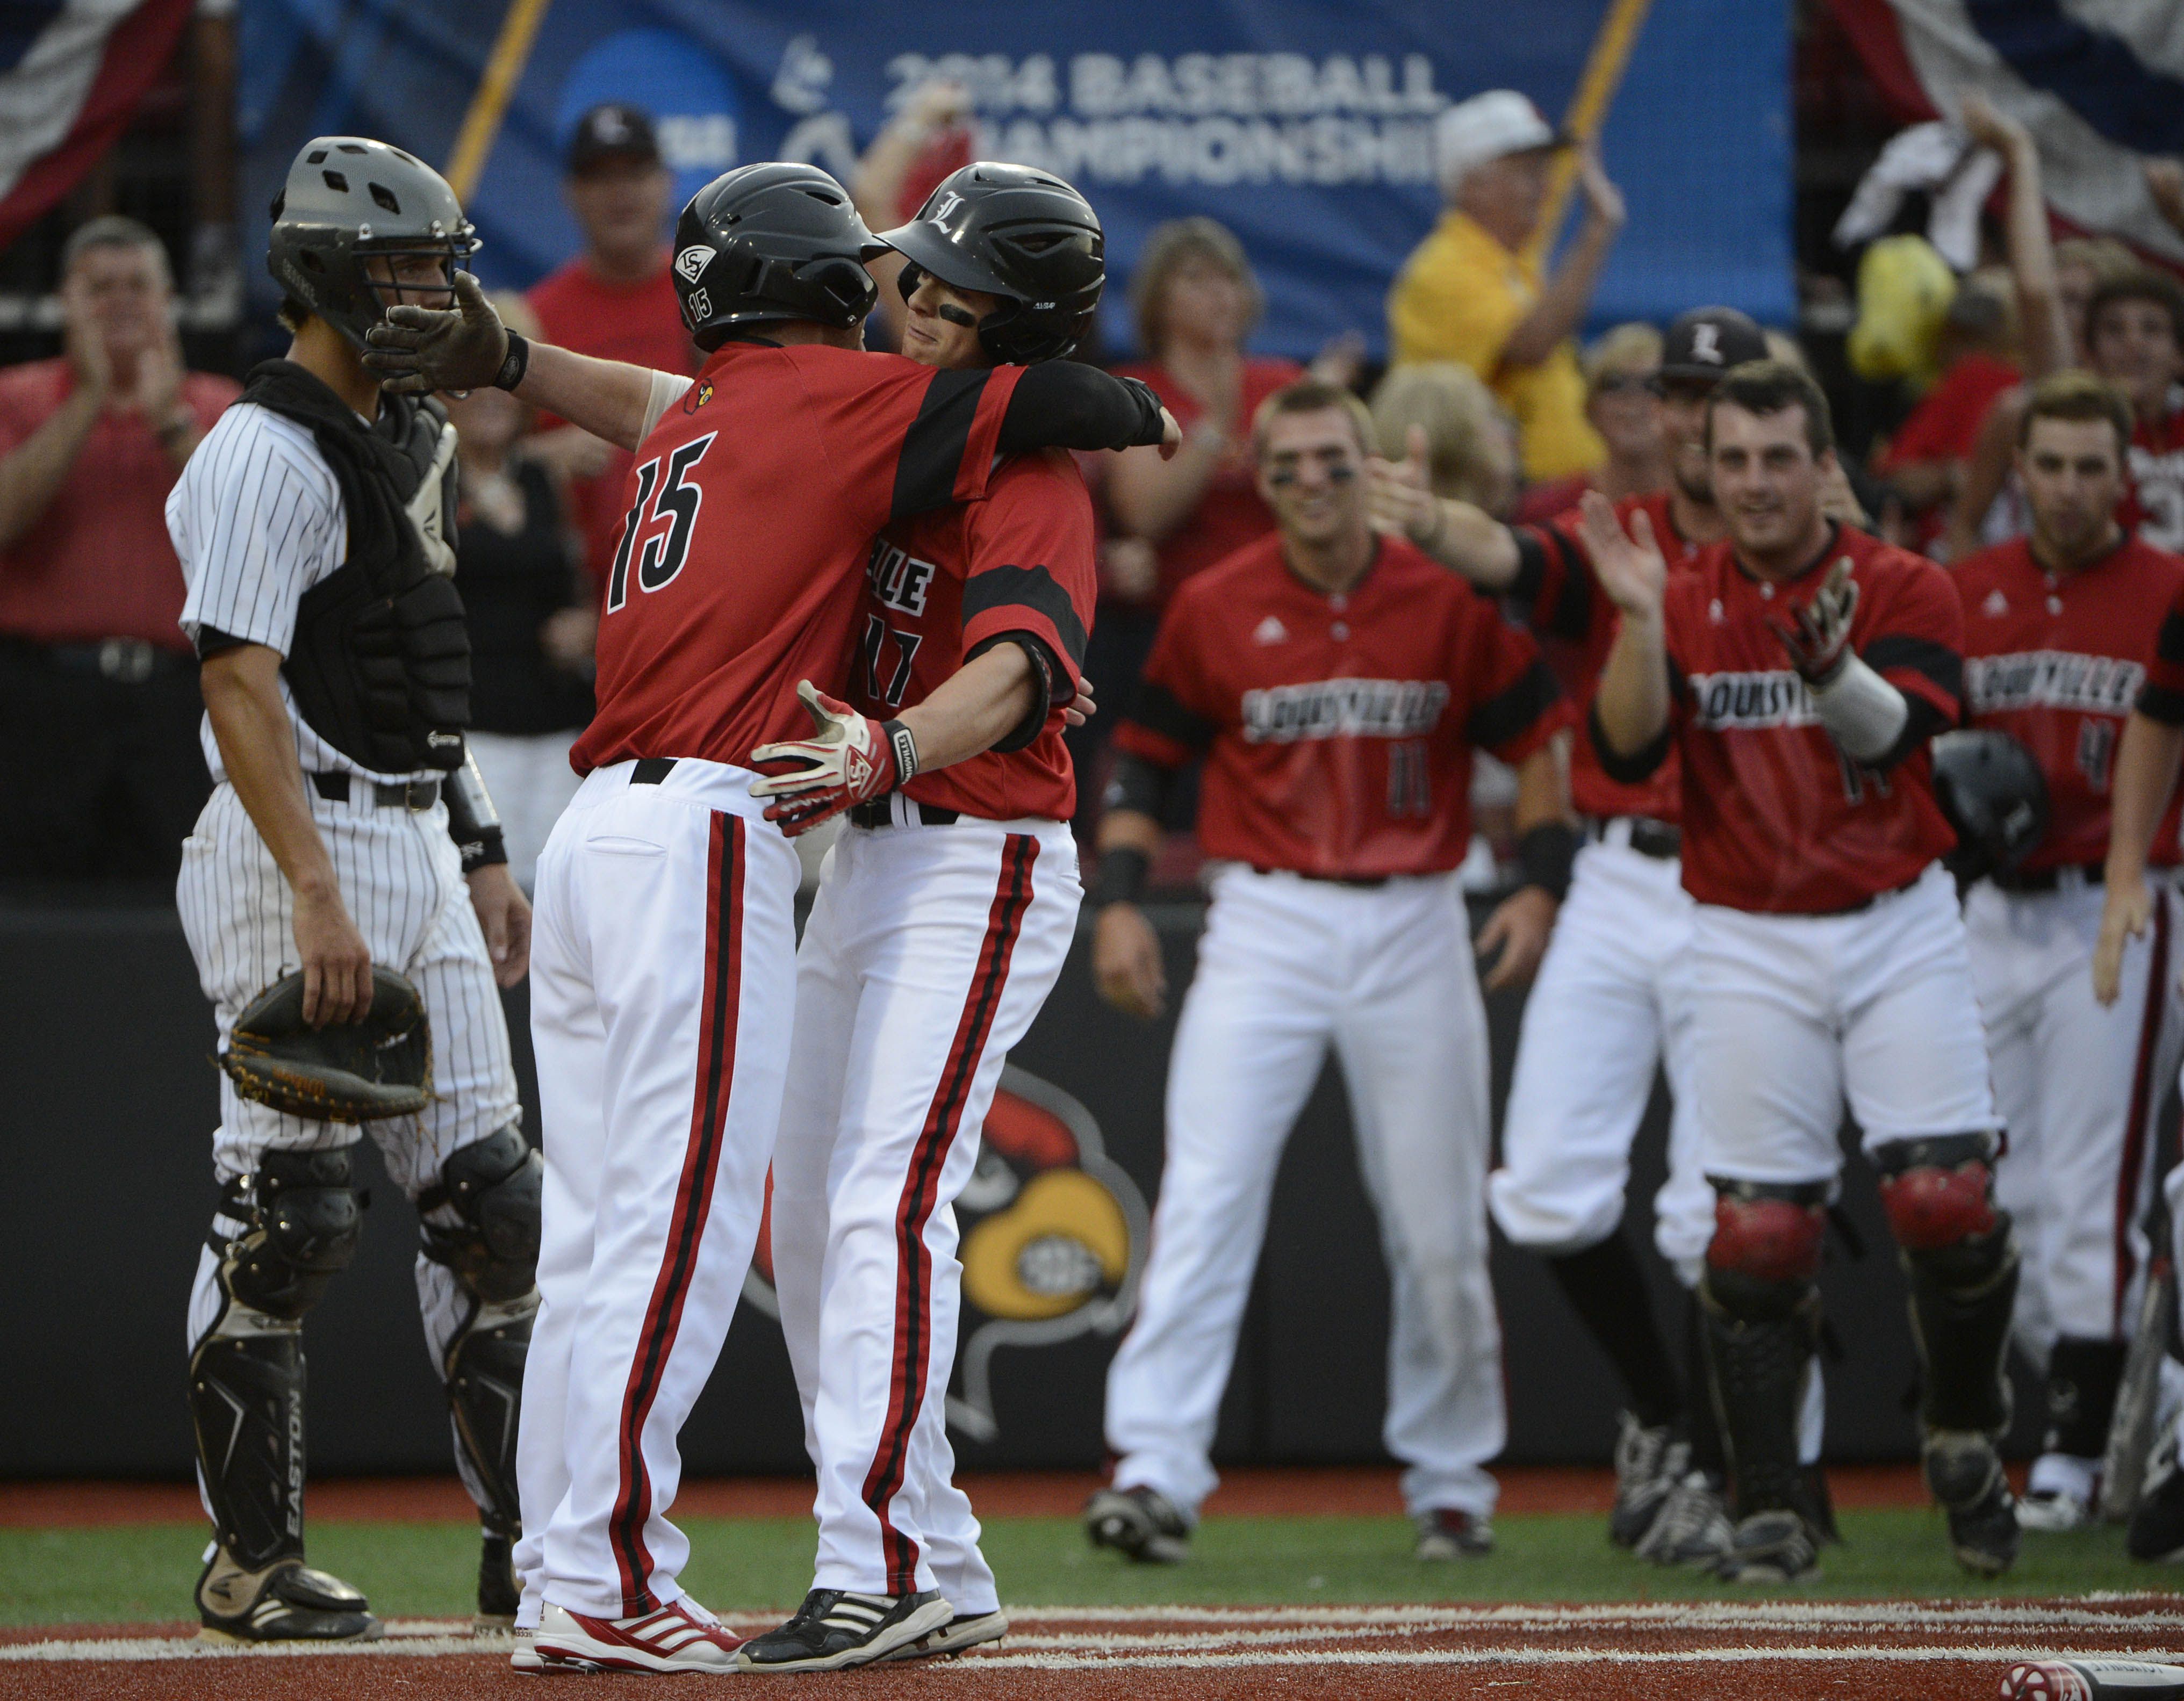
1053, 1238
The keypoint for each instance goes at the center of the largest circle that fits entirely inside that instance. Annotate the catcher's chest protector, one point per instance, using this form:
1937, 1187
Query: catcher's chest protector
381, 665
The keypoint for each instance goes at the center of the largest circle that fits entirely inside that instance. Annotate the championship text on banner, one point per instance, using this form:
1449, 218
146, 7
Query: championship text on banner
1306, 127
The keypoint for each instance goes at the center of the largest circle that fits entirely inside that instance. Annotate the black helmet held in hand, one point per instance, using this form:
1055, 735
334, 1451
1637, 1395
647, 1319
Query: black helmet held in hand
1995, 796
350, 198
1021, 234
769, 243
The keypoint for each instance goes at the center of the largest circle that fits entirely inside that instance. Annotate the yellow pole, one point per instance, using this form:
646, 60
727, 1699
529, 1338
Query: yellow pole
1588, 110
490, 105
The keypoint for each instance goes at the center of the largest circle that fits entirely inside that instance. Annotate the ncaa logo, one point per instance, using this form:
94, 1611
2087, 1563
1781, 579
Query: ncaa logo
1706, 342
692, 260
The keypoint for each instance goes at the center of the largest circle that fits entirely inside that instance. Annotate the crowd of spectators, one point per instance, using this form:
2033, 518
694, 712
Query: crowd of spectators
1485, 385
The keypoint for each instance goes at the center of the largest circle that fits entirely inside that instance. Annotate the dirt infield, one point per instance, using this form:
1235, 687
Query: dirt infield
1691, 1651
997, 1494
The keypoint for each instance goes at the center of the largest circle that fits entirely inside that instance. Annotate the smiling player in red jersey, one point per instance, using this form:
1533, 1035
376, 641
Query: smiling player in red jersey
1612, 1001
2060, 628
1336, 684
663, 988
1800, 668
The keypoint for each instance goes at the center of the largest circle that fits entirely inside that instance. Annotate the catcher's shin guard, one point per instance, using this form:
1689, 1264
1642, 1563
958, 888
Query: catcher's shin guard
246, 1409
296, 1224
1762, 1316
1961, 1260
492, 1186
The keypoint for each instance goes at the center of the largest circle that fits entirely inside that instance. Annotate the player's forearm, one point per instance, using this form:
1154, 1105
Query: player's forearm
974, 708
1475, 544
2146, 763
1130, 829
258, 747
1560, 307
1543, 792
608, 398
1633, 700
32, 476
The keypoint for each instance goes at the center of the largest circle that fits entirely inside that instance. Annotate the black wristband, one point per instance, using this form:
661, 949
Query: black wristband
516, 364
1122, 877
905, 748
1545, 854
488, 848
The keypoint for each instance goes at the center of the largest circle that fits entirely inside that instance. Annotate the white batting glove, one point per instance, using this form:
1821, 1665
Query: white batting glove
849, 758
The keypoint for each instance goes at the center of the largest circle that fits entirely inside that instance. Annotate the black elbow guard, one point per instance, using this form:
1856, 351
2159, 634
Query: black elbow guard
1026, 731
1626, 770
472, 821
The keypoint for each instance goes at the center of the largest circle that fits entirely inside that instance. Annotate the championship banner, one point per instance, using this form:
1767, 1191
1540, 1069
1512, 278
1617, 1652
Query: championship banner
2100, 84
1305, 126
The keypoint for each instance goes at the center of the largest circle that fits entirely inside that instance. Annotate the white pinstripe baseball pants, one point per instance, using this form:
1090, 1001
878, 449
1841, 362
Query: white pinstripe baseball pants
401, 878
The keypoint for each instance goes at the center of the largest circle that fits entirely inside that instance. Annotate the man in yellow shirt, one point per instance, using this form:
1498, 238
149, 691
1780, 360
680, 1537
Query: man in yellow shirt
1470, 293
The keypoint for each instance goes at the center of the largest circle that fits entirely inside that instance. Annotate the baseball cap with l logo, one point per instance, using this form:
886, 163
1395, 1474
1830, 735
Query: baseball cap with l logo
1705, 343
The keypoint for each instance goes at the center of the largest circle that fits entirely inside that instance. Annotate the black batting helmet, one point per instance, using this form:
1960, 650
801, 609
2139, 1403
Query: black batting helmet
1021, 234
769, 243
347, 199
1994, 795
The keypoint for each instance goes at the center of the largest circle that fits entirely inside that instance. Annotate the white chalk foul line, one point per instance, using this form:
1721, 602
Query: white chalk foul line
1885, 1654
1267, 1635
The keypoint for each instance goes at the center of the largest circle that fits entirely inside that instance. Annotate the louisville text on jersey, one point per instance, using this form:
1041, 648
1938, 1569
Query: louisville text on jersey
899, 579
1343, 709
1743, 702
2052, 679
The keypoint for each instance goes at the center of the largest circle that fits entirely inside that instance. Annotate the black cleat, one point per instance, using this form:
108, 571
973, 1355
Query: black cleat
1693, 1527
285, 1601
2156, 1521
1772, 1546
1965, 1475
498, 1592
1649, 1463
835, 1629
1142, 1523
1446, 1533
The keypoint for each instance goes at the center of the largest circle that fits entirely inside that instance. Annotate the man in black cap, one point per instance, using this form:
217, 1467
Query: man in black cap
1611, 1003
616, 300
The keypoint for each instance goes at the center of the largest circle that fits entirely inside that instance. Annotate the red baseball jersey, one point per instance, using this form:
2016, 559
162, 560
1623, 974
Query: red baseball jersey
2056, 661
2163, 697
940, 587
748, 522
1338, 729
1775, 818
1561, 601
2153, 506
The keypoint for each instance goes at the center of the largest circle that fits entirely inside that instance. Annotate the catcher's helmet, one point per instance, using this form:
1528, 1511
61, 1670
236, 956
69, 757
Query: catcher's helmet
1994, 795
346, 198
768, 243
1023, 235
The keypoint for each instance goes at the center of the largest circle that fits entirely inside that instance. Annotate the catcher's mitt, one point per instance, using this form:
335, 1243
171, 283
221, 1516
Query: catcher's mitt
342, 1072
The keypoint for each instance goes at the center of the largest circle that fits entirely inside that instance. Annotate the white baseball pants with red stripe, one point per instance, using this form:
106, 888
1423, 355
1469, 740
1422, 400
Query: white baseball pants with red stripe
661, 987
1288, 966
927, 953
2080, 1087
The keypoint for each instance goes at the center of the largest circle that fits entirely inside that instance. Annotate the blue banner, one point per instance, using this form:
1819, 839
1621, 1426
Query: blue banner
1305, 126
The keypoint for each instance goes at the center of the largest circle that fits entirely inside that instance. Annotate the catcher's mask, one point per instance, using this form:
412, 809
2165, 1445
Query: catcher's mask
348, 201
